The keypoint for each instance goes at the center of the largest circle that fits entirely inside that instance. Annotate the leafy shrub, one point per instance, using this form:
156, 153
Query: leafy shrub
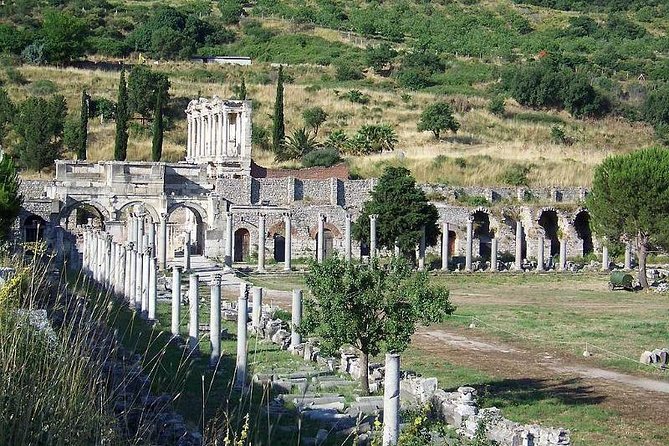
15, 77
516, 175
436, 118
336, 140
347, 72
357, 97
323, 158
33, 54
260, 137
558, 136
372, 138
43, 87
496, 106
298, 144
103, 107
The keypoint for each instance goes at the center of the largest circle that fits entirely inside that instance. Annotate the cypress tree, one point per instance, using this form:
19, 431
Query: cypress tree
278, 129
242, 90
83, 132
121, 142
158, 127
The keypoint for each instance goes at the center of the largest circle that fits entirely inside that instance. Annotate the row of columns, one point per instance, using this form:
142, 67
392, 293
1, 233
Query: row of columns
211, 135
156, 236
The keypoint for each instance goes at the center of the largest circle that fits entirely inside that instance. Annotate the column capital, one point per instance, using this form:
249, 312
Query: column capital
287, 215
373, 216
470, 219
321, 216
130, 246
349, 216
177, 268
261, 215
216, 280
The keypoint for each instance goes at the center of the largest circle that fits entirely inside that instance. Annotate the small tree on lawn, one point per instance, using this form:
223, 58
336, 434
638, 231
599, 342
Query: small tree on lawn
122, 116
374, 308
437, 118
629, 201
403, 211
314, 117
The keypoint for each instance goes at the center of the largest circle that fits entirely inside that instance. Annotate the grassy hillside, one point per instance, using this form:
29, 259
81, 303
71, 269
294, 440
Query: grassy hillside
453, 51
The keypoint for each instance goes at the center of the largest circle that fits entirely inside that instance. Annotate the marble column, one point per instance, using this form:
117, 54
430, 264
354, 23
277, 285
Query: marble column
605, 258
563, 255
140, 234
242, 316
540, 253
189, 138
444, 246
421, 251
628, 255
85, 252
391, 400
519, 246
372, 235
123, 258
296, 319
139, 278
470, 237
228, 240
129, 273
287, 242
493, 254
347, 237
153, 287
176, 301
194, 320
320, 242
261, 243
152, 238
187, 251
146, 280
256, 310
215, 321
162, 242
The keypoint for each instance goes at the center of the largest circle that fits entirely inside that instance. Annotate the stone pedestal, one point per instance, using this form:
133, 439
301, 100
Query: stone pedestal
391, 400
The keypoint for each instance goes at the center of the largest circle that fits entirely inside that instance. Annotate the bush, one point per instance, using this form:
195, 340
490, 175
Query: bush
43, 87
15, 77
496, 106
260, 137
322, 158
516, 175
102, 107
357, 97
347, 72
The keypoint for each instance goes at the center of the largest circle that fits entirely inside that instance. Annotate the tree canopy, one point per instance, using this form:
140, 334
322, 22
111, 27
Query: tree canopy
629, 201
403, 211
144, 86
10, 197
374, 308
122, 116
39, 124
436, 118
63, 36
278, 124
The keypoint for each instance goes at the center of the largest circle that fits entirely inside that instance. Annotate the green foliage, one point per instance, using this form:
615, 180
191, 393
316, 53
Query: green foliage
240, 90
436, 118
370, 138
356, 96
63, 35
380, 57
278, 124
158, 126
83, 126
516, 175
297, 145
7, 112
43, 87
373, 308
231, 11
122, 117
15, 77
144, 87
10, 195
103, 107
314, 117
33, 53
72, 134
260, 137
345, 71
656, 107
321, 158
403, 211
39, 124
337, 140
496, 106
630, 200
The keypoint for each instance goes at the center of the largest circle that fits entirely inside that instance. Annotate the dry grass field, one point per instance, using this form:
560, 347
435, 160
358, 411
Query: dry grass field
484, 149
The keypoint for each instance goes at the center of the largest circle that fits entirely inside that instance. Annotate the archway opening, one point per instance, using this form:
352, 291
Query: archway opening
549, 221
582, 226
451, 243
279, 248
33, 227
184, 220
80, 215
328, 245
483, 233
242, 245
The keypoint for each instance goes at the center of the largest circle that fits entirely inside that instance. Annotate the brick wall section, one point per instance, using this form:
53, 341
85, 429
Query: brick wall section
339, 171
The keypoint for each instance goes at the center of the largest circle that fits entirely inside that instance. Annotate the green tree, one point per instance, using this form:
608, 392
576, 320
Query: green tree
297, 145
158, 129
231, 11
374, 308
402, 209
83, 126
10, 196
278, 127
64, 36
39, 124
629, 201
144, 86
380, 57
240, 90
314, 117
7, 112
656, 107
122, 116
436, 118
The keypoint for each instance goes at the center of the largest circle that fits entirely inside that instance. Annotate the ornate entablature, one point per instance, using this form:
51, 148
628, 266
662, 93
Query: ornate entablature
219, 132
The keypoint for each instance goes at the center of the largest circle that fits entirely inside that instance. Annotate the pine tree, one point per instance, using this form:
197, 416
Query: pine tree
158, 127
83, 132
121, 143
278, 129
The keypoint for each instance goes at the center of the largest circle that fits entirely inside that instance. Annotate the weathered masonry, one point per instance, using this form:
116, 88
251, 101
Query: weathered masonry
219, 204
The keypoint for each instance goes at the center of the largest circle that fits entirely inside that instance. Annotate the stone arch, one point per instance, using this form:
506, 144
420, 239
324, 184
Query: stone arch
313, 231
198, 236
549, 220
581, 225
85, 209
148, 207
242, 244
33, 228
279, 227
483, 231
